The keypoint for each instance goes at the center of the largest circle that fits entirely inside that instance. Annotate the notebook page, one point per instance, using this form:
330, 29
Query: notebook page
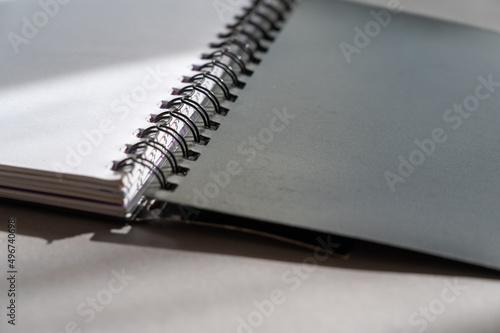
310, 140
76, 91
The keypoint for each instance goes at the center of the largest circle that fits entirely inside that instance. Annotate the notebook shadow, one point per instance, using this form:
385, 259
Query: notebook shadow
52, 224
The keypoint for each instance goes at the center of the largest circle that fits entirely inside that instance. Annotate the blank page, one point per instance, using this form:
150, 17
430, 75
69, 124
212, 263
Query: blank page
324, 167
76, 86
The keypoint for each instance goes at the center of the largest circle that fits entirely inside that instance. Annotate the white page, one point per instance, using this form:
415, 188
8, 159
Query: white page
94, 67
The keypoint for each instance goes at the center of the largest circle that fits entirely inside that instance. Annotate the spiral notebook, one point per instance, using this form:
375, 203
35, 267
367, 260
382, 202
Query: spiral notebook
321, 115
76, 89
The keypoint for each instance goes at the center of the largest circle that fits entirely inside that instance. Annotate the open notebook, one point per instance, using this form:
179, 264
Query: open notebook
358, 121
80, 79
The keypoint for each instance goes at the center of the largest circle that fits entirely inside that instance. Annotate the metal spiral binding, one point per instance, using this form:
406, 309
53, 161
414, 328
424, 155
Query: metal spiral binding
234, 52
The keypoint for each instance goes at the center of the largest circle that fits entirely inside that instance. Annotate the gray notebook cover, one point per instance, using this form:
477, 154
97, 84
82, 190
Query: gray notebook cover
391, 134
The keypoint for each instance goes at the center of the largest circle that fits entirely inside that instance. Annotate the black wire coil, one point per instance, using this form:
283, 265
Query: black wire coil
236, 49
